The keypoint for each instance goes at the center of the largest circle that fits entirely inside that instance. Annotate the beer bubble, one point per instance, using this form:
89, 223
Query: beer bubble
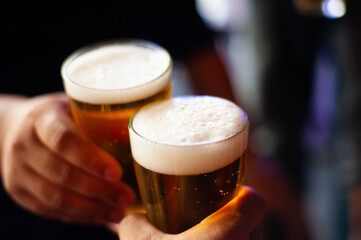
202, 131
120, 69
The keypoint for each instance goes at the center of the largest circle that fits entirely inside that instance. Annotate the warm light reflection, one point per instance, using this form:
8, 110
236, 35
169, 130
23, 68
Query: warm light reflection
333, 8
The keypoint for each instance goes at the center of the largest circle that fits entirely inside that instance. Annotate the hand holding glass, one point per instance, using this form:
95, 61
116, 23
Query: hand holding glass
107, 83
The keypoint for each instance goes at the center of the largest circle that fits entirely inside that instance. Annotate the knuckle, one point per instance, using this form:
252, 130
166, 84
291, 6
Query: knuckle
16, 150
53, 197
66, 176
62, 138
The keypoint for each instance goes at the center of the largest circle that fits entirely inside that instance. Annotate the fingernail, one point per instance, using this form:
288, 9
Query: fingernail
111, 174
116, 216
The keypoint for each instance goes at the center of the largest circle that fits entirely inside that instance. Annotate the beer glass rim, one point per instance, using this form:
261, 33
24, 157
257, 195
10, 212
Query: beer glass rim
240, 131
98, 45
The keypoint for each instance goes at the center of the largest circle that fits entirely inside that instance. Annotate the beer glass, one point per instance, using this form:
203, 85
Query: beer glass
106, 83
189, 155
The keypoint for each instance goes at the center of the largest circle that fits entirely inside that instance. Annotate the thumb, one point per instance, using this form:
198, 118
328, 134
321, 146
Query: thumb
239, 219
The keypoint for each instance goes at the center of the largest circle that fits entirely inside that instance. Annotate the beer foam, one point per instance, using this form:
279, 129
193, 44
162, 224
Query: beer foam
188, 135
116, 73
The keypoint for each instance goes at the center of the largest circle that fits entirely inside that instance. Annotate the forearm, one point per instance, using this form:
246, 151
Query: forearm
7, 102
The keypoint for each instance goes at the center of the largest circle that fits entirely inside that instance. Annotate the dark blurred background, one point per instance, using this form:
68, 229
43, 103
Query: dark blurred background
293, 65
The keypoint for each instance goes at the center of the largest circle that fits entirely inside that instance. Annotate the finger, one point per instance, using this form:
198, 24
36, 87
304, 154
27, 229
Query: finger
61, 172
240, 217
56, 130
129, 228
32, 204
55, 197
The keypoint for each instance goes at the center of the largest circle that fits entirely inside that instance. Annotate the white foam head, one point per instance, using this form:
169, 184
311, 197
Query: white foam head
117, 72
188, 135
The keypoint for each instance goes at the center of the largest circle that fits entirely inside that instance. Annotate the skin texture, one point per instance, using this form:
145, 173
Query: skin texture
239, 219
51, 170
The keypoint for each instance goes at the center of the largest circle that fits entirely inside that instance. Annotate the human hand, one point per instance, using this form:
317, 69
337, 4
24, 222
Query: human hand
240, 219
51, 170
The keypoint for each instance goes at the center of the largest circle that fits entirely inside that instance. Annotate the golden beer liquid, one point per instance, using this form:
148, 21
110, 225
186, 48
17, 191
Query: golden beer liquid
107, 126
176, 203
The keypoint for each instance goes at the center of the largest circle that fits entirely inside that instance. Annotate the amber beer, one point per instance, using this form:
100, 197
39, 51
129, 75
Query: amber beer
189, 156
107, 83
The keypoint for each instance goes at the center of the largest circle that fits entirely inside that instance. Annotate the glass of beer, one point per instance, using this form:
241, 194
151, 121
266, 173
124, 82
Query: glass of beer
108, 82
189, 155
